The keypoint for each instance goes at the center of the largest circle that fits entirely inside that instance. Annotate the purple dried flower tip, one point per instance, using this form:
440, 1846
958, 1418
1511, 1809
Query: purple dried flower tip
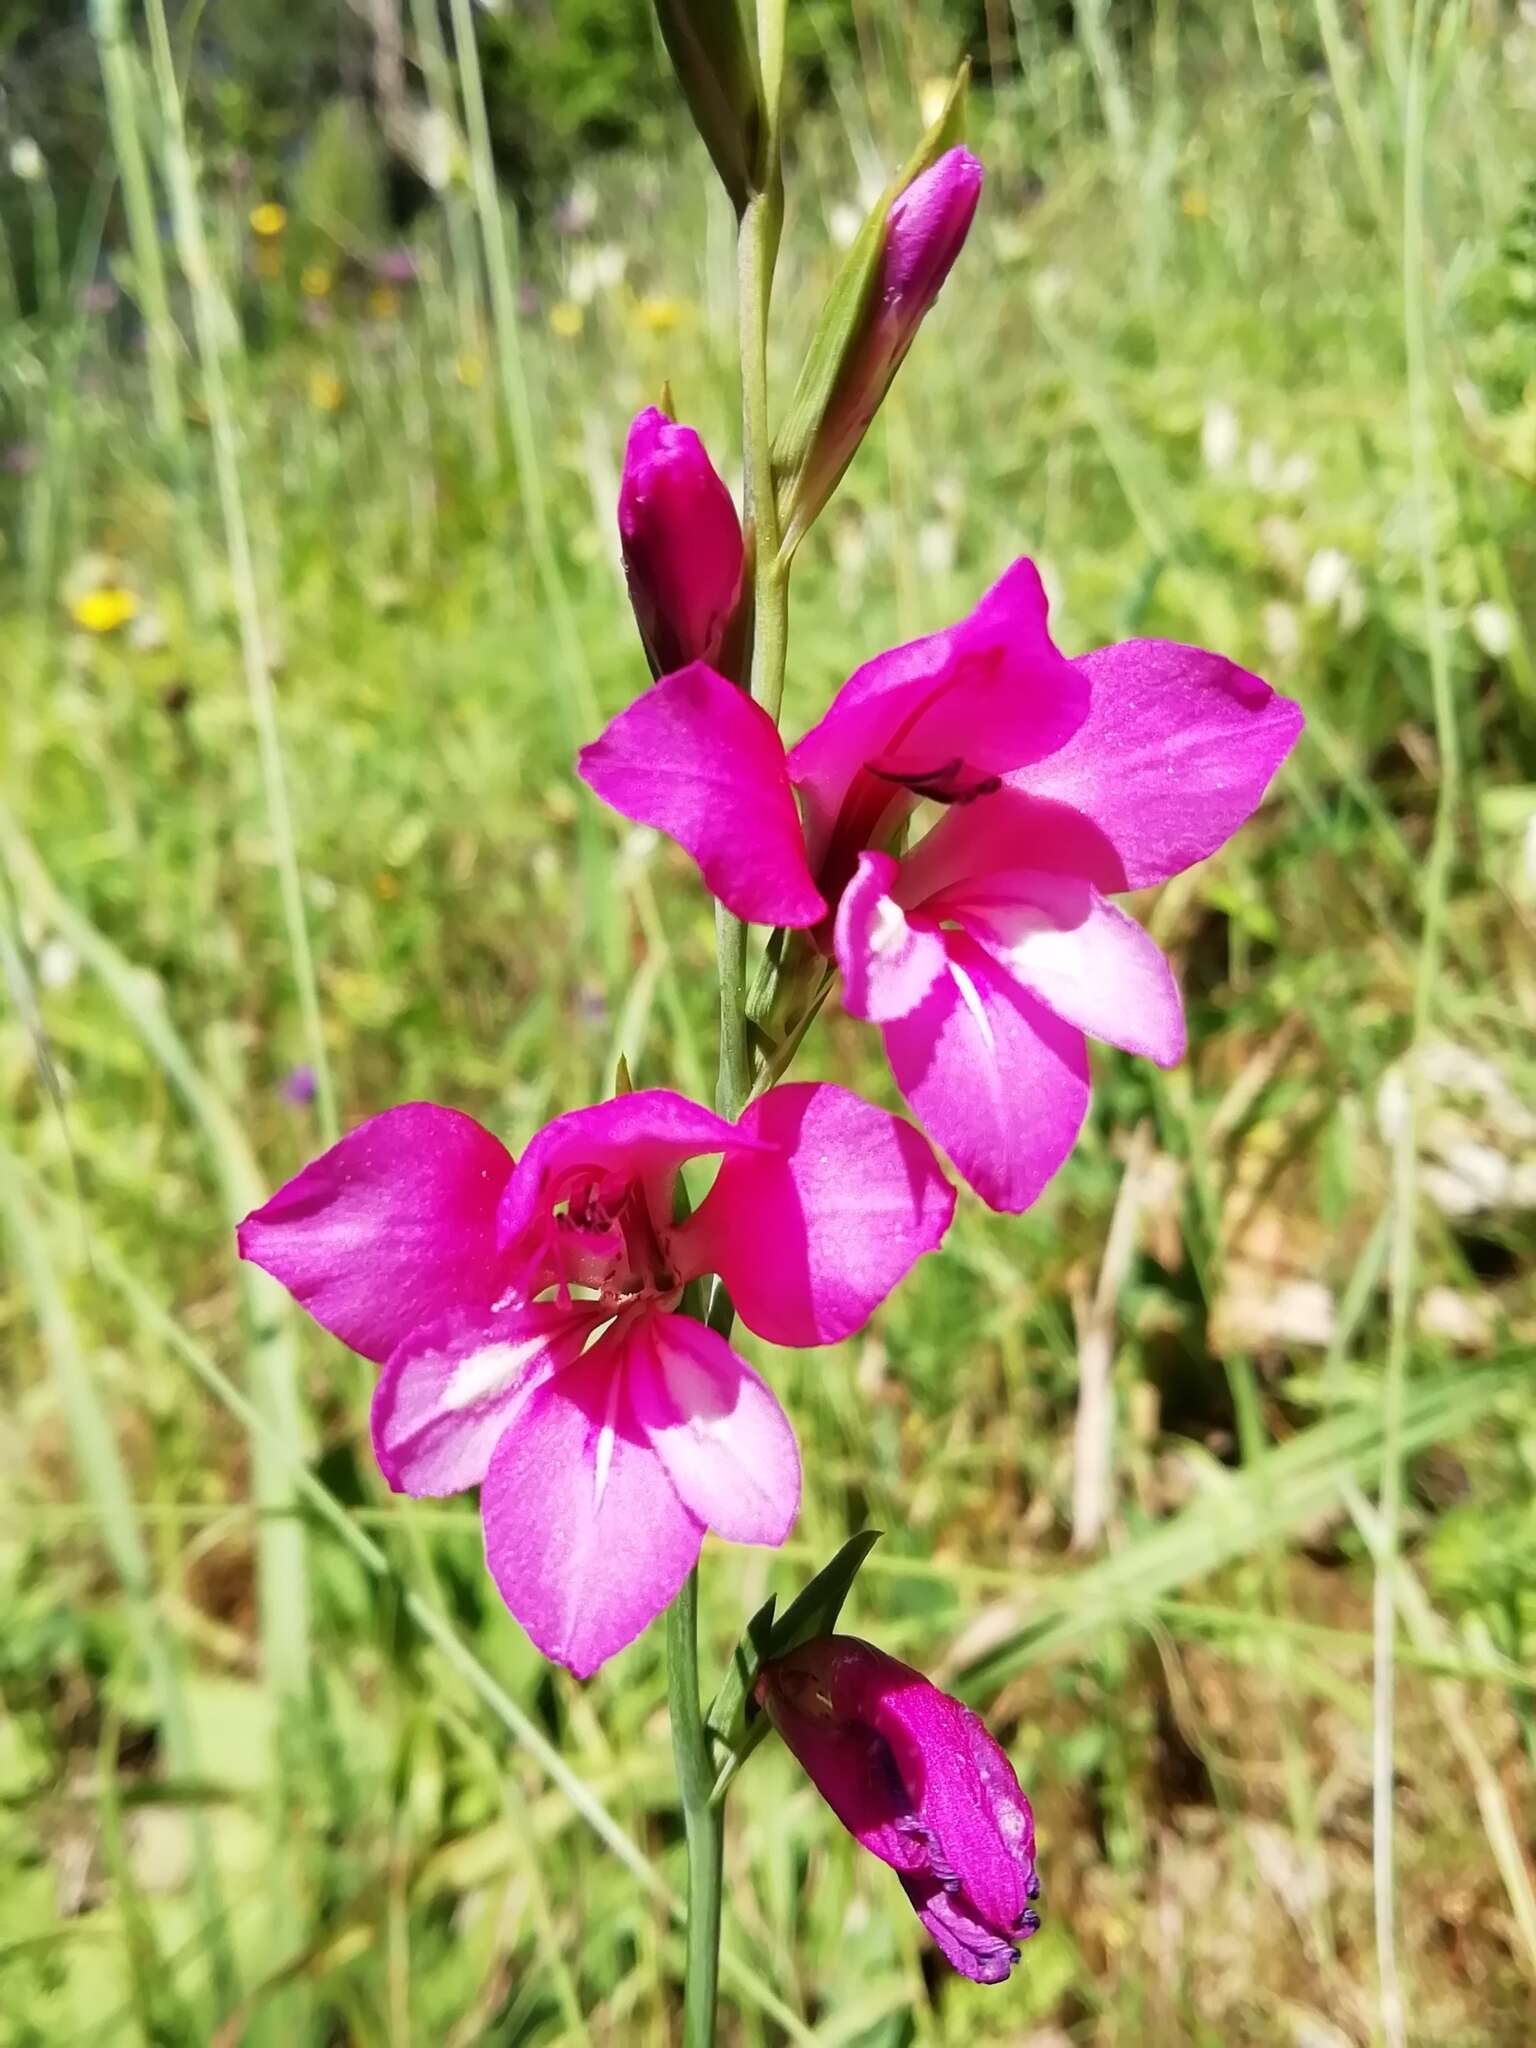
915, 1777
299, 1088
20, 458
681, 543
99, 296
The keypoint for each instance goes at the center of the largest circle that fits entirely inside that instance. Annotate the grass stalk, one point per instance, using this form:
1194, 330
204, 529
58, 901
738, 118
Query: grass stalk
104, 1477
1403, 1254
207, 310
572, 686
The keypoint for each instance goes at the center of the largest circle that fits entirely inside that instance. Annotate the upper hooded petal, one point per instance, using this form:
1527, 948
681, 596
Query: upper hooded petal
696, 758
725, 1442
997, 1079
977, 700
391, 1228
449, 1393
681, 542
645, 1137
812, 1232
1177, 750
585, 1535
1083, 956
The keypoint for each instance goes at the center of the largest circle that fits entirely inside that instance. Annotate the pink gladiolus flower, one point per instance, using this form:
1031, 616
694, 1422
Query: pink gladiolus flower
987, 949
681, 543
524, 1317
916, 1778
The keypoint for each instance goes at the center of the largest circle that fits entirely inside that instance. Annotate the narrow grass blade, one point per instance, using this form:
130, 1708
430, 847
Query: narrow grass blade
1242, 1513
105, 1481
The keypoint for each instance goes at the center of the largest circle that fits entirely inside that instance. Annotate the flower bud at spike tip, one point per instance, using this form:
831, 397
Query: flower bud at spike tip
709, 53
681, 542
915, 1777
925, 231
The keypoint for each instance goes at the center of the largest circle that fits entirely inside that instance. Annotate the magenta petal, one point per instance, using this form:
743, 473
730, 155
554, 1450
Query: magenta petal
681, 543
995, 1078
394, 1227
643, 1137
696, 758
725, 1441
977, 700
967, 1943
1176, 752
889, 966
447, 1395
811, 1234
1083, 956
584, 1533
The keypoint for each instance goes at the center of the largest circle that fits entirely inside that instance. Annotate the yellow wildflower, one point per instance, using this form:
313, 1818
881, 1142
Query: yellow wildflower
1194, 204
658, 315
386, 886
383, 302
104, 610
470, 371
268, 219
315, 281
326, 390
565, 319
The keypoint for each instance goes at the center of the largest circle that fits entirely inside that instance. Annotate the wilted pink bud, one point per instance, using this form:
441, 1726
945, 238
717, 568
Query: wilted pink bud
925, 231
919, 1781
681, 542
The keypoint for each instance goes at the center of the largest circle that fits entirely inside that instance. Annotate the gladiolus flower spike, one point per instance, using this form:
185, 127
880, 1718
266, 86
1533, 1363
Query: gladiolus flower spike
914, 1776
524, 1317
987, 948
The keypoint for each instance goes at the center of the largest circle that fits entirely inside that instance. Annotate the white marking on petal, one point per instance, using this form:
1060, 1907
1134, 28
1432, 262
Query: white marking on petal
696, 1396
973, 1002
602, 1464
482, 1374
888, 930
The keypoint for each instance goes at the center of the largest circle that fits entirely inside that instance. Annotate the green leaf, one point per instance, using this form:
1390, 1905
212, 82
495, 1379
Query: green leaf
709, 53
734, 1719
841, 325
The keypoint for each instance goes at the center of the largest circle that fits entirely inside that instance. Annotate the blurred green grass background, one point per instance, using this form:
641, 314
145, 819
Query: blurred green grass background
310, 640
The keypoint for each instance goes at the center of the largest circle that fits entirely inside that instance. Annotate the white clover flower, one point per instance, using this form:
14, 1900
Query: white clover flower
1327, 577
936, 547
1282, 632
1220, 437
27, 161
843, 224
1492, 629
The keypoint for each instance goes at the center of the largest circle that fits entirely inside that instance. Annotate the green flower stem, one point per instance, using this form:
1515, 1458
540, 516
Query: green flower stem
758, 248
703, 1822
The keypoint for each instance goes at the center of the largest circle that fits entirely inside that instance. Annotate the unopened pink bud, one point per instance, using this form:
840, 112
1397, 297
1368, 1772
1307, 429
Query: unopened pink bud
915, 1777
925, 231
681, 542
